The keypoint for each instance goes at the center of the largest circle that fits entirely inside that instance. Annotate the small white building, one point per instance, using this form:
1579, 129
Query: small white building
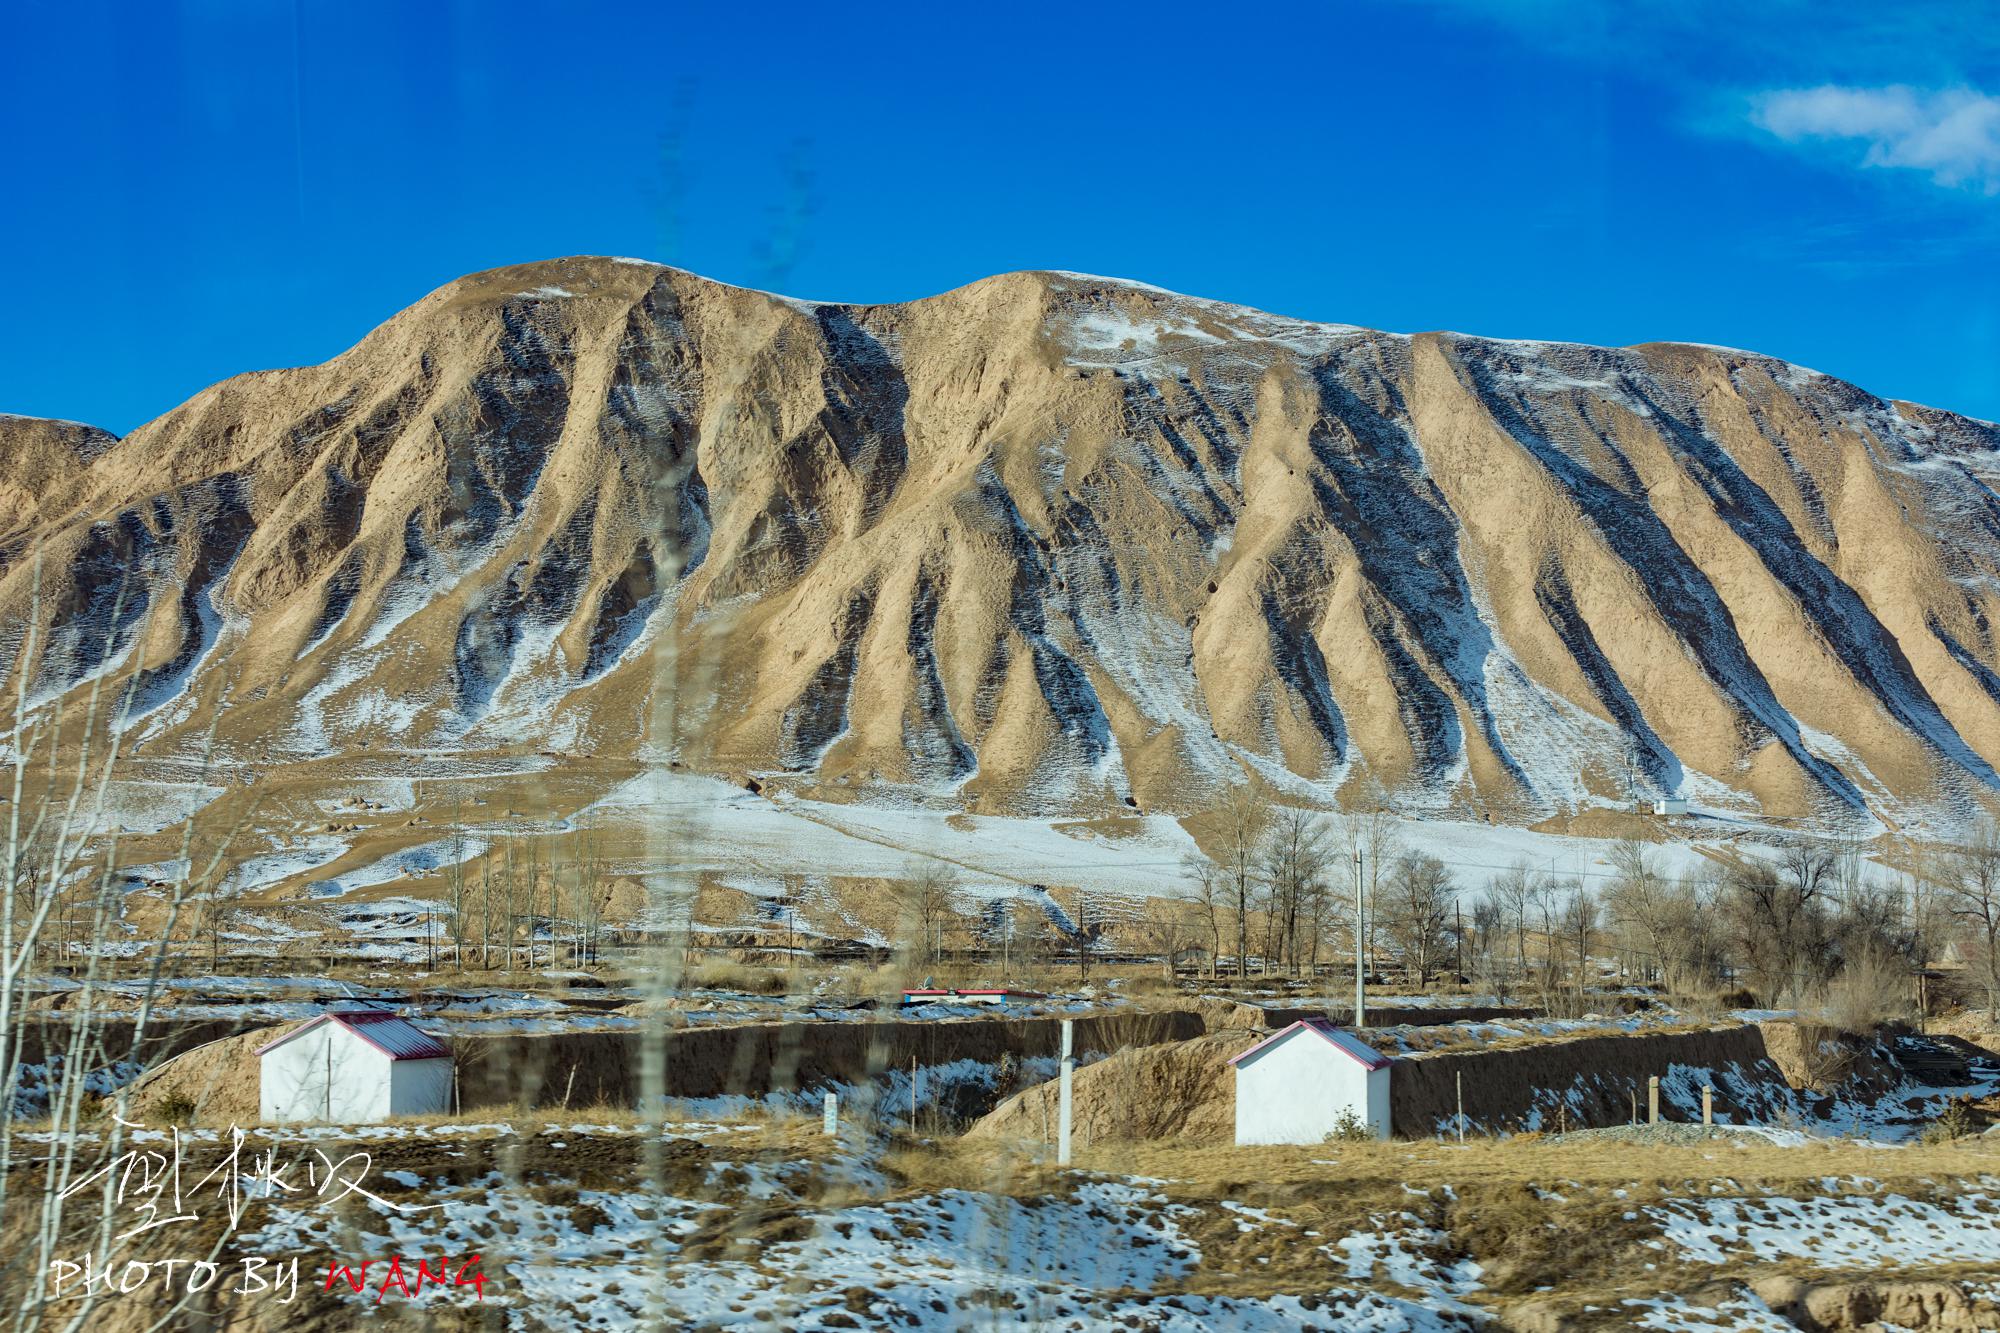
1670, 805
354, 1067
1295, 1085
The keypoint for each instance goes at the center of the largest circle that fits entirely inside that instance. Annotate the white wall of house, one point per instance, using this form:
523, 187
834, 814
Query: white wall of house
326, 1074
1294, 1090
420, 1087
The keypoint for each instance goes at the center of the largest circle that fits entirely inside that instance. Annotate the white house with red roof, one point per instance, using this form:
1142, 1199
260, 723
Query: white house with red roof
1299, 1084
354, 1067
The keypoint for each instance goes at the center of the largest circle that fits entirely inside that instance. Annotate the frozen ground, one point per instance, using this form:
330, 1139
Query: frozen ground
823, 1234
675, 832
1101, 1253
705, 824
1841, 1231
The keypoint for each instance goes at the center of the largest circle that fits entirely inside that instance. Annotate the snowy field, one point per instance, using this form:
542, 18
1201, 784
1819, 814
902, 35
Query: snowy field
749, 1229
705, 824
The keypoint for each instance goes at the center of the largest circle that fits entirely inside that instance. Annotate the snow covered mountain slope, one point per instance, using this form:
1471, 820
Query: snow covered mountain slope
1045, 542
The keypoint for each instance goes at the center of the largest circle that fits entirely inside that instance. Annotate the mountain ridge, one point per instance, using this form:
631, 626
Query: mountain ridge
1044, 541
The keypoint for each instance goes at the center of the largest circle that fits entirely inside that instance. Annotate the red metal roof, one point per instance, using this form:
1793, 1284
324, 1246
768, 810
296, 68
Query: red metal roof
1340, 1039
397, 1038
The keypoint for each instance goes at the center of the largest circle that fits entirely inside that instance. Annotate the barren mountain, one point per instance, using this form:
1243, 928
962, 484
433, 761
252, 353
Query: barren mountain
1045, 541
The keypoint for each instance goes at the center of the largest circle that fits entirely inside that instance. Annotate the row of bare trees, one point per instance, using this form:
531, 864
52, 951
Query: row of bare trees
1792, 925
1276, 893
498, 906
1279, 891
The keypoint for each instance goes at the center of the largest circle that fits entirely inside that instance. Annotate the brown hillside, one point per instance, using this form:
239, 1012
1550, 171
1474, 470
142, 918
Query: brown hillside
1047, 540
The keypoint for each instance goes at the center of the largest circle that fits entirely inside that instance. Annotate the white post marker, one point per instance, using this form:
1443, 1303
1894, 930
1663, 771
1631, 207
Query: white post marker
829, 1114
1653, 1100
1707, 1105
1063, 1099
1360, 932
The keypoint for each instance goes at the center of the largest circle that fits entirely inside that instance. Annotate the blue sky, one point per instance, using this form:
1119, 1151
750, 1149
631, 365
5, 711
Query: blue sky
200, 188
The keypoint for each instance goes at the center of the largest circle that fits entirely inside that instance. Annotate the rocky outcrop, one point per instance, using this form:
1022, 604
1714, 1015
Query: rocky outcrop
1864, 1307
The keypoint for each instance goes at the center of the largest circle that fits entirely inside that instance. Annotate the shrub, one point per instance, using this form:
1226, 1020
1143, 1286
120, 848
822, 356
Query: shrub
176, 1108
710, 975
1871, 990
1954, 1122
1348, 1128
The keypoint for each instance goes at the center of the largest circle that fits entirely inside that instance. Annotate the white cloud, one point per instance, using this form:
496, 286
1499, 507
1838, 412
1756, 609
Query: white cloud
1954, 134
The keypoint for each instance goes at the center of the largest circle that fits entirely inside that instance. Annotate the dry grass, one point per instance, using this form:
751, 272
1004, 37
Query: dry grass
1536, 1213
1533, 1212
1426, 1163
712, 975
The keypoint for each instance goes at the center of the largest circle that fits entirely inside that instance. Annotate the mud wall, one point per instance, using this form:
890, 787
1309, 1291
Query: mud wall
109, 1038
755, 1059
1590, 1082
1389, 1017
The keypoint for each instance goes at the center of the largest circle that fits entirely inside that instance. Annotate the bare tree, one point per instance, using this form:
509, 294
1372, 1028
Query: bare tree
455, 887
1640, 903
1550, 898
1168, 925
1088, 921
1416, 910
589, 898
1367, 837
1488, 938
1211, 890
1972, 891
1513, 892
1295, 859
485, 914
925, 907
1580, 915
1239, 824
1778, 910
513, 897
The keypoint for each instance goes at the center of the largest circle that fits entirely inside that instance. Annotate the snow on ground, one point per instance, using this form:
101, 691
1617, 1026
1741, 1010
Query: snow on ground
1740, 1314
155, 872
1103, 1253
33, 1083
1476, 852
1399, 1251
391, 929
1847, 1231
146, 807
266, 869
423, 859
1404, 1038
712, 826
376, 793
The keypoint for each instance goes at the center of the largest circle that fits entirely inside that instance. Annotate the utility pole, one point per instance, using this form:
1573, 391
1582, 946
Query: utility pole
1360, 971
1458, 935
